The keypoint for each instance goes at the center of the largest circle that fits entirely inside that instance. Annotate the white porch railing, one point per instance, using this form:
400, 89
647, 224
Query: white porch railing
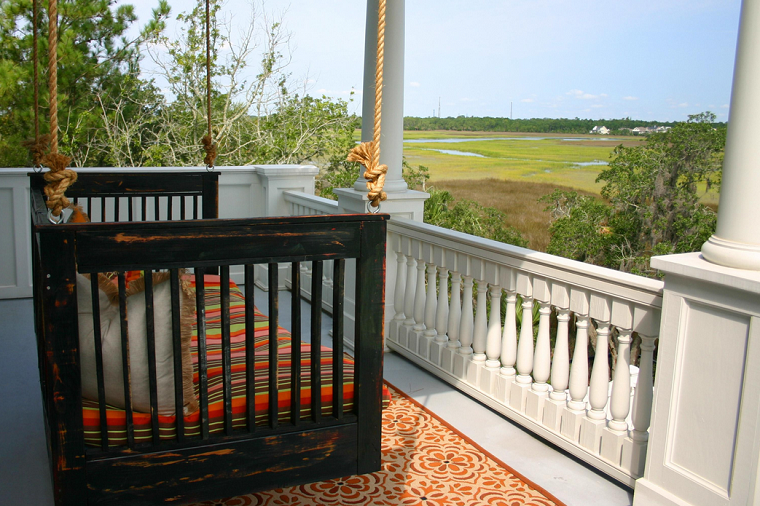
500, 360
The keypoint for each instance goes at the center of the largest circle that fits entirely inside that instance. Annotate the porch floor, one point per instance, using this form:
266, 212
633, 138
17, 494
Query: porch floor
25, 478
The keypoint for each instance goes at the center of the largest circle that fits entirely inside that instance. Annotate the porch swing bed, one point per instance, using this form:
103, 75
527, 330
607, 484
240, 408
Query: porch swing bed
198, 395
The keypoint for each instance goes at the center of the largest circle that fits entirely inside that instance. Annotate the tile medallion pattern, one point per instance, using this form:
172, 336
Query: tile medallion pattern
424, 463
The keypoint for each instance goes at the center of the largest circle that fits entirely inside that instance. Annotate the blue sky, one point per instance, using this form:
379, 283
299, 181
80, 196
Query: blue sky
650, 59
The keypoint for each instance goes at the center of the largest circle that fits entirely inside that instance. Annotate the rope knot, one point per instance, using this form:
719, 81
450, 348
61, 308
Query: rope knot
210, 147
374, 173
37, 148
59, 178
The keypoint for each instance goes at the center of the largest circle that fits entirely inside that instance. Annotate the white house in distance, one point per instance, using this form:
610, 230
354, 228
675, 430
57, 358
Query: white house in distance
602, 130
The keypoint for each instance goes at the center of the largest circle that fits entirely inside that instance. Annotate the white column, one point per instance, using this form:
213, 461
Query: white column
509, 337
525, 345
430, 302
419, 298
576, 405
600, 372
455, 313
398, 295
736, 242
561, 359
620, 400
493, 336
409, 293
442, 311
466, 322
481, 324
392, 135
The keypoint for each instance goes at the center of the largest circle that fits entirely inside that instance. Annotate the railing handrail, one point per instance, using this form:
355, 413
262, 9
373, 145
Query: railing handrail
630, 287
311, 201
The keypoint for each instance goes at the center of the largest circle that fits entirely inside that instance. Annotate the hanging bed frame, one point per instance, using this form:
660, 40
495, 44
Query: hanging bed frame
151, 222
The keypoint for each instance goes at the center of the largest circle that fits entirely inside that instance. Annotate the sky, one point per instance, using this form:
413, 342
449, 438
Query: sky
649, 60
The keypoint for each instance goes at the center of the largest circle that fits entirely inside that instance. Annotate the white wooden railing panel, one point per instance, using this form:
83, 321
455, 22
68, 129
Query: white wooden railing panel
513, 368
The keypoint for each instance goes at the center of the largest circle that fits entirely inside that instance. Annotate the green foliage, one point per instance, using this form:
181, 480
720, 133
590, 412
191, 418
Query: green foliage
469, 217
654, 198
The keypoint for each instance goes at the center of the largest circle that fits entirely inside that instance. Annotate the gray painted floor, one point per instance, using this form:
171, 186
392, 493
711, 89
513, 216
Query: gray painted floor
25, 478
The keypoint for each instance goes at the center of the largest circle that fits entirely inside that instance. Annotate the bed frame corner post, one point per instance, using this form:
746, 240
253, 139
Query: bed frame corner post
210, 195
370, 301
58, 348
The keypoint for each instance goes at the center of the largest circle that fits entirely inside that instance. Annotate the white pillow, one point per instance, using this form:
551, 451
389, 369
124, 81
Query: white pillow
138, 345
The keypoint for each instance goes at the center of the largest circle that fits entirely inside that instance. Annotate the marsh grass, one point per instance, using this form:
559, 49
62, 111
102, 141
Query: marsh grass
518, 200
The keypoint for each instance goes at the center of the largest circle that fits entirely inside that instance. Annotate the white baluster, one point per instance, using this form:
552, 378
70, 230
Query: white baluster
419, 299
442, 311
600, 374
525, 344
509, 337
455, 312
466, 321
409, 293
493, 336
430, 302
327, 274
561, 358
620, 400
398, 294
573, 416
543, 355
634, 456
481, 324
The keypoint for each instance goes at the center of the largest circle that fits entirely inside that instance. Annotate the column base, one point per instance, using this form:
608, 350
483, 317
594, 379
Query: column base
732, 254
634, 456
571, 424
488, 376
534, 405
408, 204
423, 346
553, 409
612, 445
591, 434
647, 493
517, 396
474, 371
461, 364
502, 388
436, 349
447, 359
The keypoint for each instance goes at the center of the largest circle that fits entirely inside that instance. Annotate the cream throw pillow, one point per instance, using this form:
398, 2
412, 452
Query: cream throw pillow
138, 344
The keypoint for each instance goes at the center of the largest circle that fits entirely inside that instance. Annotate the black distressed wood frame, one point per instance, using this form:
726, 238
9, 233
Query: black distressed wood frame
238, 461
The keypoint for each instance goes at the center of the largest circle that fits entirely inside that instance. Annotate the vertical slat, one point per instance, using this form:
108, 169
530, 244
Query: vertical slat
95, 290
151, 335
368, 387
102, 209
156, 208
196, 205
170, 207
182, 208
210, 195
316, 340
200, 309
177, 348
89, 207
338, 320
130, 209
116, 205
226, 352
144, 208
295, 322
250, 347
125, 359
273, 343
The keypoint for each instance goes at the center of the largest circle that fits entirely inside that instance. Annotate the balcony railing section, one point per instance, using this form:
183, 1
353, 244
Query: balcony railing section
531, 365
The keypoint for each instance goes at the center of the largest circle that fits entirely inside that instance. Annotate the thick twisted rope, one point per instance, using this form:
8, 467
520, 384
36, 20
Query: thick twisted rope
38, 145
208, 140
368, 153
59, 178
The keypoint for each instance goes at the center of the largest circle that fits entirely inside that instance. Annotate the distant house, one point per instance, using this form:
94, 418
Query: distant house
601, 130
662, 129
641, 130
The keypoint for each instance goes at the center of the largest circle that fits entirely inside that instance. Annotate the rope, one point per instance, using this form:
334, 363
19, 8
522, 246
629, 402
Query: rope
59, 178
208, 141
368, 153
38, 145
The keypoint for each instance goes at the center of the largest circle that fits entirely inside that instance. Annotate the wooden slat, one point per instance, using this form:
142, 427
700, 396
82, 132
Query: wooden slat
338, 319
196, 206
130, 209
116, 205
170, 207
368, 379
144, 208
182, 208
316, 340
250, 346
125, 360
89, 207
211, 196
273, 355
203, 243
200, 309
151, 341
98, 337
156, 208
295, 325
177, 348
226, 354
103, 209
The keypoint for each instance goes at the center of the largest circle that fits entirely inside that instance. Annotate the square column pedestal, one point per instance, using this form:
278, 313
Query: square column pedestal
408, 204
704, 438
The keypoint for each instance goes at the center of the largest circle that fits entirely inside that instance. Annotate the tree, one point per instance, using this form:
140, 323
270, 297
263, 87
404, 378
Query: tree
654, 193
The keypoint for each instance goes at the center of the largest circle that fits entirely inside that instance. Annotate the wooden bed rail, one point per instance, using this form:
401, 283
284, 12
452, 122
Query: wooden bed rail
238, 460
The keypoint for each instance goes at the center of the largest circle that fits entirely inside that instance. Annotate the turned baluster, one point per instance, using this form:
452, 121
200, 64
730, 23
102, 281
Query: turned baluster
561, 358
481, 324
455, 313
600, 373
620, 400
466, 323
642, 397
398, 294
419, 299
543, 354
509, 336
493, 336
442, 311
430, 301
579, 368
525, 344
409, 293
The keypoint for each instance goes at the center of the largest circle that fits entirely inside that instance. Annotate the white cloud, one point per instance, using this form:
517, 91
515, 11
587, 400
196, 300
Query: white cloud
467, 99
527, 100
725, 106
683, 104
414, 84
630, 98
585, 96
596, 106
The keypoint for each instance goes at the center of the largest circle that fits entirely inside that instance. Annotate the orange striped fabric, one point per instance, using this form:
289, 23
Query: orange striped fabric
116, 418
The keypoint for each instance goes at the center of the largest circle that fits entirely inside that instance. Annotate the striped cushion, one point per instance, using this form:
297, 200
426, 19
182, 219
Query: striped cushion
117, 434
